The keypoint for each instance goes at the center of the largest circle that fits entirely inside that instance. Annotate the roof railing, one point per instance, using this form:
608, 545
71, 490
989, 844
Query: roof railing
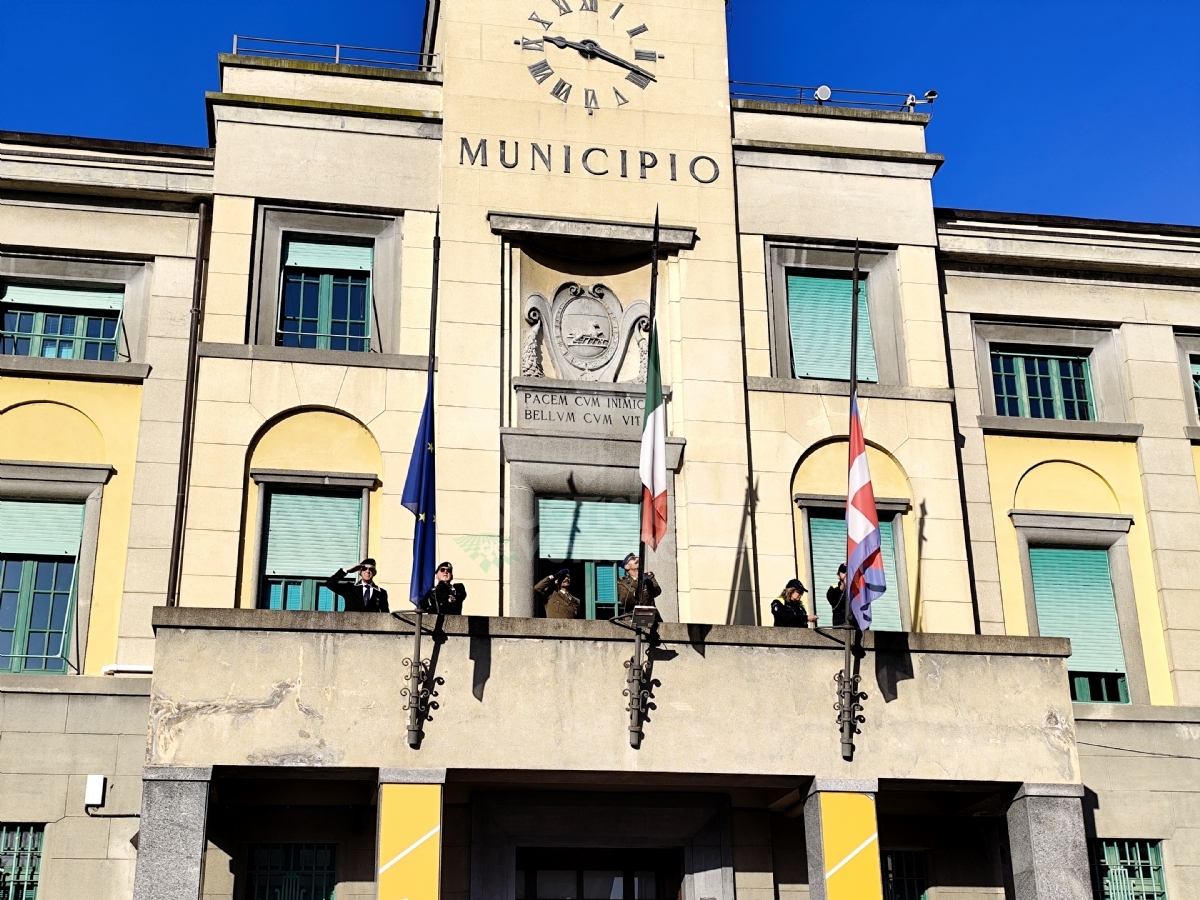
338, 54
823, 95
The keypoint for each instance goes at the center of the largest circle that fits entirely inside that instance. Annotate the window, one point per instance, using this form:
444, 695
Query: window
819, 316
1036, 386
590, 538
20, 861
1073, 593
561, 874
903, 875
61, 323
39, 546
291, 871
1127, 870
308, 537
325, 300
827, 541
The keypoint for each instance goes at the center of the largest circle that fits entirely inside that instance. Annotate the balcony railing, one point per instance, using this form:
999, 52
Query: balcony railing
338, 54
823, 95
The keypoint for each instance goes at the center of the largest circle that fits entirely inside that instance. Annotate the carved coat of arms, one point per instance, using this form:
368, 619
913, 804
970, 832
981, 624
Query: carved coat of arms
589, 332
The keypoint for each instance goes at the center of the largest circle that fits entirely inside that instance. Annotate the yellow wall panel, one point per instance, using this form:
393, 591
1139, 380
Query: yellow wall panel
1076, 476
53, 420
850, 841
410, 841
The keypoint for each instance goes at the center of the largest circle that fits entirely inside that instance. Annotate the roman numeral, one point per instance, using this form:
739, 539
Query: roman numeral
588, 6
533, 44
641, 79
621, 100
563, 6
590, 100
620, 6
534, 17
540, 71
562, 90
634, 32
645, 55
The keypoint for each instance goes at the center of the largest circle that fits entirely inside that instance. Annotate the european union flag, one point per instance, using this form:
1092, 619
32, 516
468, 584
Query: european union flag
419, 498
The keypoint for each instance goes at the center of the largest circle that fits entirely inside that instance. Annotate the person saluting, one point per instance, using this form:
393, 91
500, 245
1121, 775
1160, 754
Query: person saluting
364, 595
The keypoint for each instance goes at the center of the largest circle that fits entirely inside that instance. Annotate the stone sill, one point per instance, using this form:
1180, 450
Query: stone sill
1060, 428
75, 369
1128, 712
315, 357
831, 112
842, 389
248, 61
74, 684
696, 636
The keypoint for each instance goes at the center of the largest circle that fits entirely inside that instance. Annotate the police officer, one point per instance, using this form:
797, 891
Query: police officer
446, 597
788, 610
364, 595
836, 597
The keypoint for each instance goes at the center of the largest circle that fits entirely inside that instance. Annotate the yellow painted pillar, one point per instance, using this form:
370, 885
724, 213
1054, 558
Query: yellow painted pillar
842, 835
409, 841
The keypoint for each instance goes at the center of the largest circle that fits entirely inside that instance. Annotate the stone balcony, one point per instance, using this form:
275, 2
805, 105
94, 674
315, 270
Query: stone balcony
240, 687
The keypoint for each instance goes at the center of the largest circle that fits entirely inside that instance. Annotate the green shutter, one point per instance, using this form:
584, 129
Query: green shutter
40, 529
827, 537
581, 529
1072, 590
342, 257
819, 321
70, 298
312, 535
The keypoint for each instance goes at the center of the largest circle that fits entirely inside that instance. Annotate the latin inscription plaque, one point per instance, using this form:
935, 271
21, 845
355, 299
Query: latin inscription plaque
546, 404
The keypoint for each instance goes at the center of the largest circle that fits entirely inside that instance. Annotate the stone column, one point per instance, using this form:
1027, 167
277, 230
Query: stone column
171, 836
409, 833
843, 840
1047, 842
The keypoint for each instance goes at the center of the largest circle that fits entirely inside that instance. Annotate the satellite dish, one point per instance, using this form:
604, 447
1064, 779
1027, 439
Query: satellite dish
823, 93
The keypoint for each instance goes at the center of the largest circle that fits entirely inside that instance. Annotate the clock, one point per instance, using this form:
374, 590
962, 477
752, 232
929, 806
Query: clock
612, 72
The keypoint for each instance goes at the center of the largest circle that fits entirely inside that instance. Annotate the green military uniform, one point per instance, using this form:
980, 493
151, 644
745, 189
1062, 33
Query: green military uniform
627, 593
560, 603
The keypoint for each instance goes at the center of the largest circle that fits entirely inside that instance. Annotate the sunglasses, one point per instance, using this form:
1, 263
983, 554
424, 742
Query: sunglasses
369, 569
444, 569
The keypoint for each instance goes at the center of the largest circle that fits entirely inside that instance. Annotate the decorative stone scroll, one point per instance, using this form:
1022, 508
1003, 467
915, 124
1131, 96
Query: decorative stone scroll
585, 329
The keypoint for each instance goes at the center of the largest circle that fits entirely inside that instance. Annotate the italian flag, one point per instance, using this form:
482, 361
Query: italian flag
653, 465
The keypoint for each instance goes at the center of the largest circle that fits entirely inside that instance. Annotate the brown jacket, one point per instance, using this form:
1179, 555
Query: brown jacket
560, 604
627, 593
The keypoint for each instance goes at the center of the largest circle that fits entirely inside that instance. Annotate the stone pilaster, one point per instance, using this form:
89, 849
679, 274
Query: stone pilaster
171, 837
1047, 842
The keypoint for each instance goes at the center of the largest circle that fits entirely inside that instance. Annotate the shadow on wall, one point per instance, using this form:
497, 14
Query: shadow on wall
743, 605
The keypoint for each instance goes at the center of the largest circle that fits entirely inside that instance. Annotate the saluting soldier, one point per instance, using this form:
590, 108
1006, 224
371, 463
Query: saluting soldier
627, 586
553, 591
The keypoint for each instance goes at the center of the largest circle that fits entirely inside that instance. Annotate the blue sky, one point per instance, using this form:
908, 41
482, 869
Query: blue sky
1072, 108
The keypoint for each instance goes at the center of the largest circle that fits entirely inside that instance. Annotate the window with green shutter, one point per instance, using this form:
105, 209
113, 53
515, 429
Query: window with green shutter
1196, 382
60, 322
1127, 870
20, 860
819, 316
1072, 590
39, 544
903, 875
827, 541
308, 536
291, 871
325, 298
1037, 386
589, 539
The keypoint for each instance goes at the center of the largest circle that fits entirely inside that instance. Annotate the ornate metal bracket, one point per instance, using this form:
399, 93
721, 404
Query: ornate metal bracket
848, 704
421, 685
639, 686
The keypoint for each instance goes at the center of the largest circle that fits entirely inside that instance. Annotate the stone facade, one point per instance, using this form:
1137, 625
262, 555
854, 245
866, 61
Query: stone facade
241, 734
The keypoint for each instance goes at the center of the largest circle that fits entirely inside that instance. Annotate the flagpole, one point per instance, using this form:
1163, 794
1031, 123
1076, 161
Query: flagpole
849, 685
649, 346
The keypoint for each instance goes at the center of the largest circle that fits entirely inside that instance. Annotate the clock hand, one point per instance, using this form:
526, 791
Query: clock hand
589, 49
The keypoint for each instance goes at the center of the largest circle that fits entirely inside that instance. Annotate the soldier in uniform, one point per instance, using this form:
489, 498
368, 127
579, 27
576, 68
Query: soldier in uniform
553, 591
627, 586
446, 596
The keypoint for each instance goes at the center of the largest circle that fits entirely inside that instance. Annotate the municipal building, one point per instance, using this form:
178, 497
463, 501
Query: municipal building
214, 362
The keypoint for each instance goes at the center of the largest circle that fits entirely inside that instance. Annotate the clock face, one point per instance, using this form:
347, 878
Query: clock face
608, 37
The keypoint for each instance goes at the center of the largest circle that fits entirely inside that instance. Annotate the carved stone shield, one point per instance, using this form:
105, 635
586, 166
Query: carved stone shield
589, 332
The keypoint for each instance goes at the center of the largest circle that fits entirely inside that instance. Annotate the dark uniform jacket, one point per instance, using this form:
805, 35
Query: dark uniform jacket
560, 604
360, 597
627, 593
789, 615
837, 601
444, 599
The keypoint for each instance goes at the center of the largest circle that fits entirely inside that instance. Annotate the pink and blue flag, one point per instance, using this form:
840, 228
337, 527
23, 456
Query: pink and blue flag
865, 580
